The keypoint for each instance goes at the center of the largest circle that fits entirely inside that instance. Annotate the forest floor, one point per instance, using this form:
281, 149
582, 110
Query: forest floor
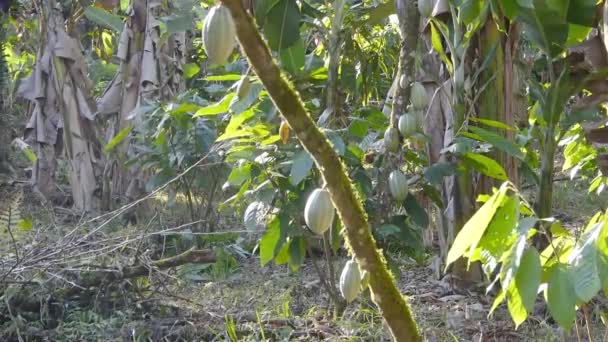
238, 299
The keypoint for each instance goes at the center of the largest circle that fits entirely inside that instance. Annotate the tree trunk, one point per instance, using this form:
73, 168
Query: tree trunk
357, 233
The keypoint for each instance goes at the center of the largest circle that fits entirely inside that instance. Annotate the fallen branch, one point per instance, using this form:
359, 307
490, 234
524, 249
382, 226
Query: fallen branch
25, 300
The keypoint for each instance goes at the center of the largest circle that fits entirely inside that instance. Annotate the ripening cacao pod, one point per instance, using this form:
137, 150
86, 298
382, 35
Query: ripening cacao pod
407, 124
242, 90
219, 33
284, 132
319, 211
350, 281
425, 7
419, 98
391, 139
397, 184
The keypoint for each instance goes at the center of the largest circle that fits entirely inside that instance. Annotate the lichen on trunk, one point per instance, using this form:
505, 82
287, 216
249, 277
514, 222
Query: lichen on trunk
344, 196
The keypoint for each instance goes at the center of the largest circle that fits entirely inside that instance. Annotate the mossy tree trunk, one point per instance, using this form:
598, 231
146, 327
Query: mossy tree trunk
344, 196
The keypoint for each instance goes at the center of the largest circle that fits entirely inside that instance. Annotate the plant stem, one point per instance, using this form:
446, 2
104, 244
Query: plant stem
358, 237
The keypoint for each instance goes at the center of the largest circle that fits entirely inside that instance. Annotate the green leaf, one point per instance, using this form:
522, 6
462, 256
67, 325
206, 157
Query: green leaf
436, 172
380, 13
282, 25
492, 123
300, 167
358, 128
473, 230
485, 165
118, 139
577, 34
497, 301
515, 305
545, 26
438, 47
240, 174
217, 108
583, 262
415, 211
297, 251
469, 10
292, 58
190, 70
104, 18
500, 233
269, 241
499, 142
582, 12
180, 23
528, 278
262, 7
227, 77
30, 155
560, 297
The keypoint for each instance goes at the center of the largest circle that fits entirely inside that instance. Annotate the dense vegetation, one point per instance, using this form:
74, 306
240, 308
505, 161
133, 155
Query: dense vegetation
303, 170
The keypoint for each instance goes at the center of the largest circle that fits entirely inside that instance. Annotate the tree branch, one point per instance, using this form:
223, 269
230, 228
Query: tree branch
358, 237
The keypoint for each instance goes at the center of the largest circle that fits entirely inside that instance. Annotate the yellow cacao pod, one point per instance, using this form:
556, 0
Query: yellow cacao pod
419, 98
319, 211
397, 184
242, 90
391, 139
219, 34
350, 281
407, 124
284, 132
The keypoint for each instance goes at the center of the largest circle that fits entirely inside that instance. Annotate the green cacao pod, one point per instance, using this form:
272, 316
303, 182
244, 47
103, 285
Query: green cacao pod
391, 139
219, 33
254, 217
419, 98
407, 124
397, 184
319, 211
350, 281
242, 90
425, 7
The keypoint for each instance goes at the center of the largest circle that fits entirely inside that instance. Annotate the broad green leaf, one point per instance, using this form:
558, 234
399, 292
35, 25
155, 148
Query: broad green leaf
560, 297
190, 70
102, 17
583, 265
415, 211
545, 27
485, 165
297, 251
237, 120
500, 233
282, 25
499, 142
511, 261
473, 230
227, 77
180, 23
300, 167
438, 47
380, 13
292, 58
577, 34
262, 7
436, 172
269, 241
469, 10
217, 108
582, 12
497, 301
515, 305
240, 174
118, 139
492, 123
528, 278
358, 128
